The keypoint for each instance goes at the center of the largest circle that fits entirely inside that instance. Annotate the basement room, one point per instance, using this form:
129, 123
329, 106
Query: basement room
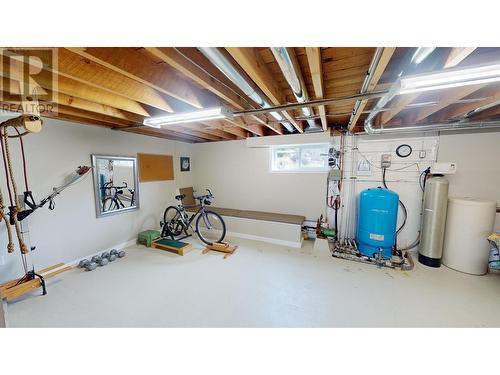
222, 185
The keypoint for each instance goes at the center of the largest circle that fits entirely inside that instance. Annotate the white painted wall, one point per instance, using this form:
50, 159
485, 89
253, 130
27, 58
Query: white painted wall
72, 230
401, 177
240, 178
477, 155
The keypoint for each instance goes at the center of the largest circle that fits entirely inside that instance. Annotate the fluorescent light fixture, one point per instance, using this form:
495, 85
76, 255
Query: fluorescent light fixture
184, 117
421, 54
450, 78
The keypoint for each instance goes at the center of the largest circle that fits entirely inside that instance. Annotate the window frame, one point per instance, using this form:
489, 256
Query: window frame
301, 146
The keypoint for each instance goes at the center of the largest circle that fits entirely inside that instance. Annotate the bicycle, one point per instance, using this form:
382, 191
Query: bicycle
210, 227
113, 202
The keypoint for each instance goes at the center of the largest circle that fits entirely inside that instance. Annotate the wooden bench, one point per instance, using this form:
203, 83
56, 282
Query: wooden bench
276, 228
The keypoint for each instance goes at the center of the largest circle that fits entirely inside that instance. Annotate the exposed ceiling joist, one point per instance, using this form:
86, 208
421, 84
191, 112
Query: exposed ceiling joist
74, 88
252, 64
447, 98
132, 64
316, 68
385, 57
85, 71
457, 55
201, 77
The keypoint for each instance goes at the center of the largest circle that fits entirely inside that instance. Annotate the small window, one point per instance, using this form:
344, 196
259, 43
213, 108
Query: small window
300, 158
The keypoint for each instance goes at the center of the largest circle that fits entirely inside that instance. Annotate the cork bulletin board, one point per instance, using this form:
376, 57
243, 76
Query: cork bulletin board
155, 167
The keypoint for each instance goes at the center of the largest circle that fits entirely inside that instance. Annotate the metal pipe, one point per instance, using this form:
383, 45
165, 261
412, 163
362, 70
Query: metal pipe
366, 82
312, 103
293, 77
227, 68
461, 125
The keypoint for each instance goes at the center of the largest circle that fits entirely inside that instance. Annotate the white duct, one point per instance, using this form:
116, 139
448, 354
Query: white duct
226, 67
293, 79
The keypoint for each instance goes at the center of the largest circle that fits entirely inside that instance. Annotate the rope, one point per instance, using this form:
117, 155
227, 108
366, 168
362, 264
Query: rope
16, 206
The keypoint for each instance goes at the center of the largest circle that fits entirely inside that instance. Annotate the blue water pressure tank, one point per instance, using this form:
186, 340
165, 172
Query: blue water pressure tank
377, 220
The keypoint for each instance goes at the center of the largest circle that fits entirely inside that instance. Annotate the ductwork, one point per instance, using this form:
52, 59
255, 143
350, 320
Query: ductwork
460, 125
222, 63
296, 82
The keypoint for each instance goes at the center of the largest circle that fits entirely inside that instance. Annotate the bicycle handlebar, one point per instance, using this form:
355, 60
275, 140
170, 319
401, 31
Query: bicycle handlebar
202, 197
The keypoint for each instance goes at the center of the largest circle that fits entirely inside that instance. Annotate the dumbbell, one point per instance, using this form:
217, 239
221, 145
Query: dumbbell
83, 263
105, 255
121, 254
102, 261
114, 252
90, 266
112, 257
95, 258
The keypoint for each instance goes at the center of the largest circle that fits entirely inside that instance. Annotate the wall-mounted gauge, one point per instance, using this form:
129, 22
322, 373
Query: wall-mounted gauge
403, 151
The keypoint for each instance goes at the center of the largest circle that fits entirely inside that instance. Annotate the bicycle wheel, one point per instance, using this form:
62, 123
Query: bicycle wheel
172, 219
109, 204
210, 227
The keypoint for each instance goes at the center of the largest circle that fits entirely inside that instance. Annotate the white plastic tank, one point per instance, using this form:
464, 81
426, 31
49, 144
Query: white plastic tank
468, 224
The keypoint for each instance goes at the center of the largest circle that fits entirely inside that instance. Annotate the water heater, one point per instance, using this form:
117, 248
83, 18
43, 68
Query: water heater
433, 224
377, 220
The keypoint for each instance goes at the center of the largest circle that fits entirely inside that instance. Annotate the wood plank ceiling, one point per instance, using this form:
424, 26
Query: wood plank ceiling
119, 87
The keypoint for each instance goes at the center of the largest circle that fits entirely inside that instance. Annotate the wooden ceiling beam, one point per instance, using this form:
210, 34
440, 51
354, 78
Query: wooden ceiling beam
228, 128
460, 110
315, 66
445, 99
73, 66
457, 55
197, 133
132, 64
385, 57
74, 89
251, 62
173, 58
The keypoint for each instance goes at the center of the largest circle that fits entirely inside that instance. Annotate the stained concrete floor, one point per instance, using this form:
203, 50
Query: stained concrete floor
261, 285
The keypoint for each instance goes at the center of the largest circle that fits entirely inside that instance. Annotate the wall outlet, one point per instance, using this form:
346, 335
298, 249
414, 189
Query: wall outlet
422, 154
385, 161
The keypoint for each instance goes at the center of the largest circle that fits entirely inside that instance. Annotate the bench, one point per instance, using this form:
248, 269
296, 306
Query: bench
281, 229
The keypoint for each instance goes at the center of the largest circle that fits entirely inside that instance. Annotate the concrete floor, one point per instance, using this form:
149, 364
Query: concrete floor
261, 285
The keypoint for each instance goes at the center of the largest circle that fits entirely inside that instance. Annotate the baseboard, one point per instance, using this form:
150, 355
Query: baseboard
274, 241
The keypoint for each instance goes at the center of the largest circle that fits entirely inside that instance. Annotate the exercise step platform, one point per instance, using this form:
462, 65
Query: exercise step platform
222, 247
177, 247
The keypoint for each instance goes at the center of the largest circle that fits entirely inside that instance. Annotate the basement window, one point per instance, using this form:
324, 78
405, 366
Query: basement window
300, 158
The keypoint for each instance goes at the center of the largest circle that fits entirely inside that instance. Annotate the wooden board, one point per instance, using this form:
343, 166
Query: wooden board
154, 167
177, 247
225, 248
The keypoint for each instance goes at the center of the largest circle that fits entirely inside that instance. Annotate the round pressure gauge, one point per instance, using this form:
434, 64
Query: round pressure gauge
403, 151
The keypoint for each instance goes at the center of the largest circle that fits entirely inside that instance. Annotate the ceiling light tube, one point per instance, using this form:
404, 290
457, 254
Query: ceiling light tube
184, 117
450, 78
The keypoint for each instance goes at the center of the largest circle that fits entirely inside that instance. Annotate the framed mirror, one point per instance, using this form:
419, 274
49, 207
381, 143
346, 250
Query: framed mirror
116, 186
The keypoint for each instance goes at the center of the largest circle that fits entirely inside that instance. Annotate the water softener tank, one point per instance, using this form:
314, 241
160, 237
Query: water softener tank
377, 220
433, 224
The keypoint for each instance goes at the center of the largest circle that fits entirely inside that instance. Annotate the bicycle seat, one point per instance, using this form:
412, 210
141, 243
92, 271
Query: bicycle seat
180, 197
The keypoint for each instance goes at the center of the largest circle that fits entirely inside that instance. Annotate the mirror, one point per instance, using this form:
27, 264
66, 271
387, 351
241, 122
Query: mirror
116, 186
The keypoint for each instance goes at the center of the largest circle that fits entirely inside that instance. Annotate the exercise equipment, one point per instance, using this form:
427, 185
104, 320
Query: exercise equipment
102, 262
112, 257
95, 258
222, 247
105, 254
174, 246
114, 252
90, 266
121, 254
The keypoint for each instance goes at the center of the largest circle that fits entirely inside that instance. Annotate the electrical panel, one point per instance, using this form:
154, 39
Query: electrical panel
385, 161
444, 168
